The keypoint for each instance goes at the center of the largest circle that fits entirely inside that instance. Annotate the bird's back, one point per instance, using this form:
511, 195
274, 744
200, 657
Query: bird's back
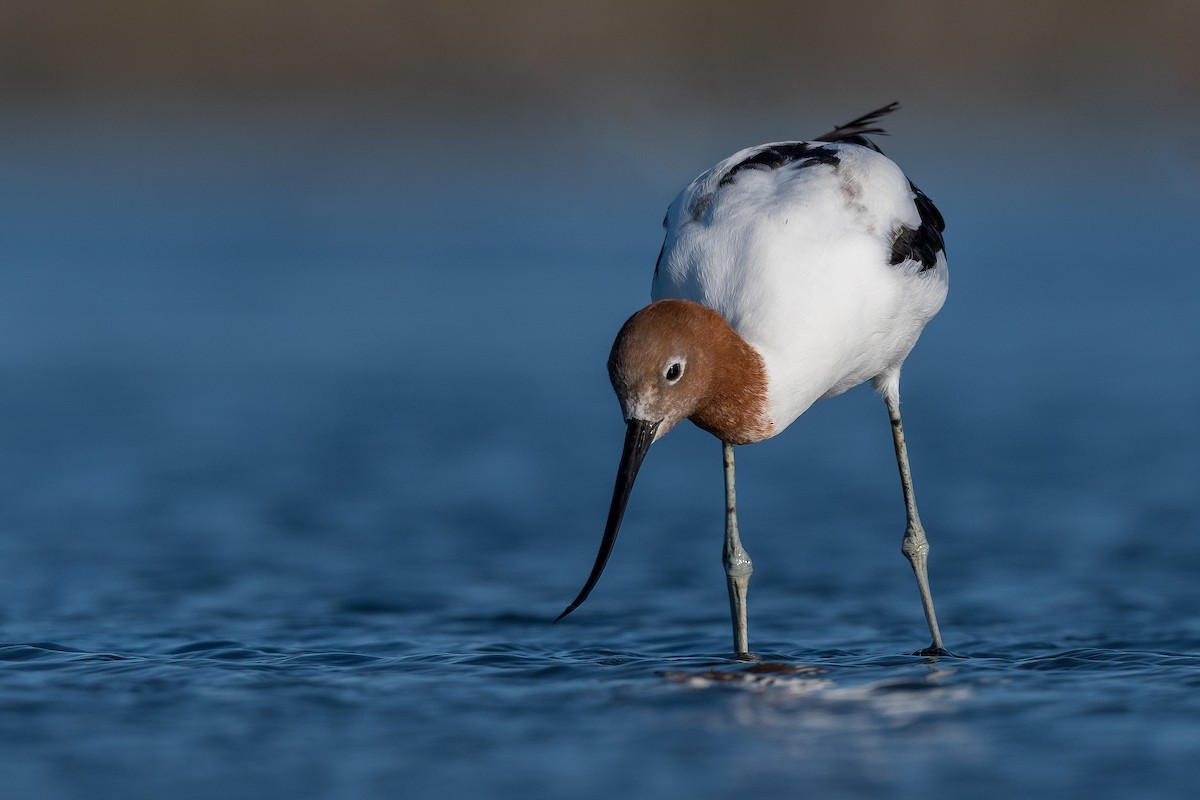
822, 255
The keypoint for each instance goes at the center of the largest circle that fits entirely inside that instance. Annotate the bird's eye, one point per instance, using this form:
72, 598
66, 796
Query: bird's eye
674, 372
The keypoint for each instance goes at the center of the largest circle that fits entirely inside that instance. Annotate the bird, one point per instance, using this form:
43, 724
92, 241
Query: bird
790, 272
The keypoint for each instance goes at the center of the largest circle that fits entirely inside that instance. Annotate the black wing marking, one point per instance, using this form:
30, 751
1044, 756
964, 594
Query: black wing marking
924, 242
781, 155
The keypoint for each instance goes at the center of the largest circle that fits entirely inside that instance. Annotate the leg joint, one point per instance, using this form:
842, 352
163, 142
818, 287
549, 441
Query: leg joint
738, 565
914, 545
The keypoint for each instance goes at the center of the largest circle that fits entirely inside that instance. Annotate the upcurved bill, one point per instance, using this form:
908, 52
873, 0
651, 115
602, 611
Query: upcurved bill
639, 435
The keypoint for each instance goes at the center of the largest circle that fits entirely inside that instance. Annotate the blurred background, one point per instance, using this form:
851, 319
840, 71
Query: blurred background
305, 307
160, 158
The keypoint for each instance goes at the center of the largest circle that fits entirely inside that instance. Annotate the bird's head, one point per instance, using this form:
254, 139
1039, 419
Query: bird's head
661, 367
660, 363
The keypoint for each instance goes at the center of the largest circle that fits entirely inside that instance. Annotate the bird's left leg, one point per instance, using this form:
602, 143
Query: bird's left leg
736, 560
914, 546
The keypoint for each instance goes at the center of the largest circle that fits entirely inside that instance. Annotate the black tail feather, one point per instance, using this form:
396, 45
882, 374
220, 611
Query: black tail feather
855, 131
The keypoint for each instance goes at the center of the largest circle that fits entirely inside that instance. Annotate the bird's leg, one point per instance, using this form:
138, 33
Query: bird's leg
736, 560
914, 546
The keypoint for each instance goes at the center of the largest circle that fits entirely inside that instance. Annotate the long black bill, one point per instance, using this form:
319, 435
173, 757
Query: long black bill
639, 435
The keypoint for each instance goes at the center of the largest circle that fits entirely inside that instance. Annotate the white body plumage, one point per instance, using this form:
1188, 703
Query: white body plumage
798, 259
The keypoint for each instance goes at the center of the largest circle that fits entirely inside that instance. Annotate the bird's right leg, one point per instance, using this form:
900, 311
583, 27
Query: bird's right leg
736, 560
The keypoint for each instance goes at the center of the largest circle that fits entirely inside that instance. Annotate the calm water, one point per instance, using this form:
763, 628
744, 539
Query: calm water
306, 438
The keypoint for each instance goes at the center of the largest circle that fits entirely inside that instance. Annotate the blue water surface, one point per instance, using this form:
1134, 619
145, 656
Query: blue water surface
307, 437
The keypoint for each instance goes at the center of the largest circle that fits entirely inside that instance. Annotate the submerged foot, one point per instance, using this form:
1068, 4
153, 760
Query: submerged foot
934, 651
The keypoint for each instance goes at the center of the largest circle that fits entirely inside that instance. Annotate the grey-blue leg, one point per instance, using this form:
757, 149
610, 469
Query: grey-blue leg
914, 546
737, 561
